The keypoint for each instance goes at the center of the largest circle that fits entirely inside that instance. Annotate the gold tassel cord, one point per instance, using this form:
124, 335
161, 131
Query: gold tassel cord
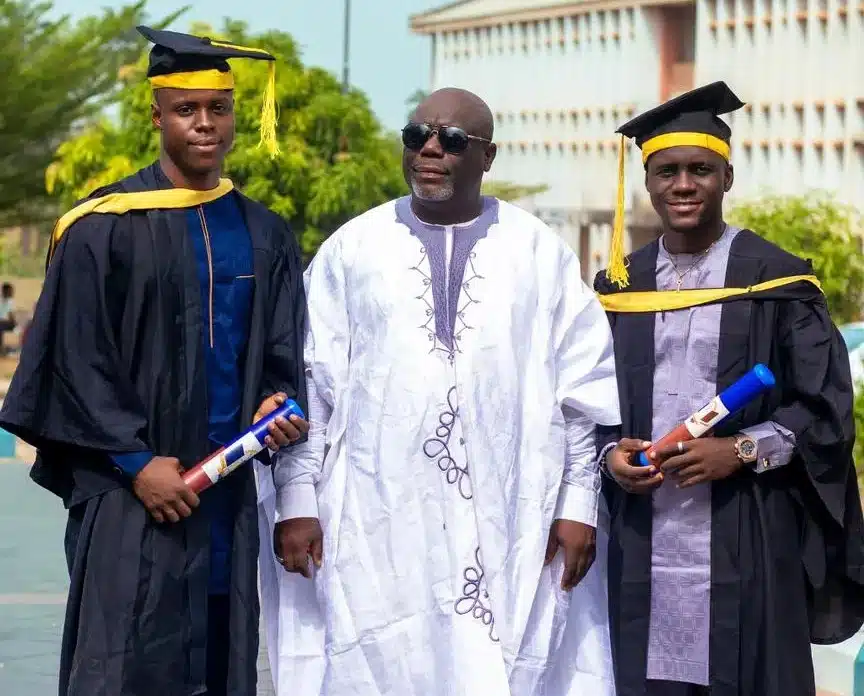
268, 114
268, 106
238, 47
616, 270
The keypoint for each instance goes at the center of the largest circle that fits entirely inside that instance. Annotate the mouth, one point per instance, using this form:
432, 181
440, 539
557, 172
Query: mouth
683, 207
205, 146
429, 174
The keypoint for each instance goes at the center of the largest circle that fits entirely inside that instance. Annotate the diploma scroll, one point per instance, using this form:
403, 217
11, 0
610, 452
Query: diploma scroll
737, 395
222, 462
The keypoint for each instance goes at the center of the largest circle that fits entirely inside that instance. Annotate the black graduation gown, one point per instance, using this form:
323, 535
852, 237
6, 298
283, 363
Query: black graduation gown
114, 362
787, 546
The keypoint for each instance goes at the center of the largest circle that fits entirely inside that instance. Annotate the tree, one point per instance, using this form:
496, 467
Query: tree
336, 161
817, 228
508, 191
418, 96
53, 74
858, 448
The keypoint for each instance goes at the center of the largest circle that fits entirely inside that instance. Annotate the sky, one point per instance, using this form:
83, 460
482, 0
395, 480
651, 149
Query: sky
388, 62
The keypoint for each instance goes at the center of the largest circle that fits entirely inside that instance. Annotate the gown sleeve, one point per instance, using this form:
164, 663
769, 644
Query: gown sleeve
606, 436
582, 348
586, 389
818, 410
817, 399
578, 496
297, 469
283, 353
71, 388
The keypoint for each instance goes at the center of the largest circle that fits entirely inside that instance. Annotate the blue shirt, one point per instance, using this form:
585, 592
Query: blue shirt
223, 251
223, 255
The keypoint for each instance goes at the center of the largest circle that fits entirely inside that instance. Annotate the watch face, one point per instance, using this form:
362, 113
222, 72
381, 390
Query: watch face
747, 448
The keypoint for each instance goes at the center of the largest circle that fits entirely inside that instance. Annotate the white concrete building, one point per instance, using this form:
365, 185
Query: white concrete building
561, 75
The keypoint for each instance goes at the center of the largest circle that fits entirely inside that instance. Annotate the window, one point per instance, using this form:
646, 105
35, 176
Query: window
523, 36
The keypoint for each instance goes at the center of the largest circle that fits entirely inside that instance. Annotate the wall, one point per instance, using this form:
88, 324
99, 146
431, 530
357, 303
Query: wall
559, 87
797, 64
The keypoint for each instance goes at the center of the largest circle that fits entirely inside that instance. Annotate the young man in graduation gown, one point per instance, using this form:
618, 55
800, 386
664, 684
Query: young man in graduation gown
731, 553
454, 381
170, 318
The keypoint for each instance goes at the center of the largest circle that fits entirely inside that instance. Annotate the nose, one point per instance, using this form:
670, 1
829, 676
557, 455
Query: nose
683, 182
432, 147
204, 122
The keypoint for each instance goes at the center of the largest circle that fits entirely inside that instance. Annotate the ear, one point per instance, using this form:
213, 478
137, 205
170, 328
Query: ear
647, 178
489, 156
156, 113
728, 178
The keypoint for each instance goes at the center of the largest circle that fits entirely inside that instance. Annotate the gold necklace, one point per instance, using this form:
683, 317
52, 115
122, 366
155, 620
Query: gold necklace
699, 258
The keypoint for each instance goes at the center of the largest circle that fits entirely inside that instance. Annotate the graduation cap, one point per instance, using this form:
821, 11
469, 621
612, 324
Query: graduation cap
690, 119
183, 61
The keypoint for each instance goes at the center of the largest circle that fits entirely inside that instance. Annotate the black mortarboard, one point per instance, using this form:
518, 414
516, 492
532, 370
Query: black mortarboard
692, 112
688, 119
184, 61
174, 52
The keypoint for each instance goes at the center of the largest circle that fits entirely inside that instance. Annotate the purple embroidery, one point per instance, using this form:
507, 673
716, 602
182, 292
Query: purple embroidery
424, 296
444, 304
474, 596
438, 448
446, 298
433, 250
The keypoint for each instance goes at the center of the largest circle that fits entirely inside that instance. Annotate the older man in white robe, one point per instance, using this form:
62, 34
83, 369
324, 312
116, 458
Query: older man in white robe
440, 525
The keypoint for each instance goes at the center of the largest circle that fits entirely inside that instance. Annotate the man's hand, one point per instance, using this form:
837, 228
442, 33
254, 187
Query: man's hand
630, 475
579, 543
295, 540
282, 432
160, 487
702, 460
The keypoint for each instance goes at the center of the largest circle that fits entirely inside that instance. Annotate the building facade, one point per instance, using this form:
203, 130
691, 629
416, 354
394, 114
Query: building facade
562, 75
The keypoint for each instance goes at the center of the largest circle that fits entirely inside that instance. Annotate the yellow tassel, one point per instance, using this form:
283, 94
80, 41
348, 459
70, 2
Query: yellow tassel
616, 271
268, 113
268, 107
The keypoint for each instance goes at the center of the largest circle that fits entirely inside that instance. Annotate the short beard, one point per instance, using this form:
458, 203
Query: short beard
436, 195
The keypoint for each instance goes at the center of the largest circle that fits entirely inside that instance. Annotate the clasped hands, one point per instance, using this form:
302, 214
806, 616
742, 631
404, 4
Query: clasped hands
697, 461
160, 486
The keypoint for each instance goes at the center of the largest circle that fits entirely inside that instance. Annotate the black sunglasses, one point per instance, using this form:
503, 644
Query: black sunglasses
453, 139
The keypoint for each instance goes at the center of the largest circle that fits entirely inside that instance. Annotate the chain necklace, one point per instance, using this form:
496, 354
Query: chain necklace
681, 276
699, 258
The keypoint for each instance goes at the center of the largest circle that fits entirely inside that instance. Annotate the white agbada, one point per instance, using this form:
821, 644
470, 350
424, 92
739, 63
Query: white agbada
440, 364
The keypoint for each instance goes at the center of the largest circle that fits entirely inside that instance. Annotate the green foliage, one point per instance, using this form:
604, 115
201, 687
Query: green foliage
858, 451
53, 74
508, 191
819, 229
336, 161
15, 263
418, 96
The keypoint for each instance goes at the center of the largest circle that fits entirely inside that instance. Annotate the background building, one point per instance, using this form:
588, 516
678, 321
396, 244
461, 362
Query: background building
561, 75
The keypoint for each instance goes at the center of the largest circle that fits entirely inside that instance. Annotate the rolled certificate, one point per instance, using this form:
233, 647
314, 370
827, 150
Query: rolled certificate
222, 462
737, 395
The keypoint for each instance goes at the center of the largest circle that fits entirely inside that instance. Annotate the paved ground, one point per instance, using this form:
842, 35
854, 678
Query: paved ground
32, 584
33, 587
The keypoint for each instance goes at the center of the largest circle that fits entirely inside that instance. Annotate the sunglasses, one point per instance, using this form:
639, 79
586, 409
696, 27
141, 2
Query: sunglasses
453, 140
